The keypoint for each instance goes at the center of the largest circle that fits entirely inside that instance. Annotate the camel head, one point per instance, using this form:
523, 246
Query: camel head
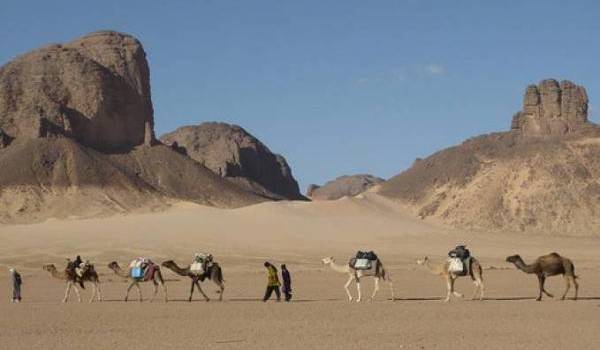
49, 267
114, 266
423, 261
513, 258
328, 260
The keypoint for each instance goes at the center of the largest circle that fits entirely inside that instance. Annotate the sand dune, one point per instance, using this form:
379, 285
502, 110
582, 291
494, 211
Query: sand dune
299, 234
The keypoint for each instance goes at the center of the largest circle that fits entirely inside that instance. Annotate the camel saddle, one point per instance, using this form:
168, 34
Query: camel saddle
460, 267
201, 263
363, 264
142, 269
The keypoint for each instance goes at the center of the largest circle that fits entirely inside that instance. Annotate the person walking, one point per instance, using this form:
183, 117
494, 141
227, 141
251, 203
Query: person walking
15, 278
273, 283
287, 283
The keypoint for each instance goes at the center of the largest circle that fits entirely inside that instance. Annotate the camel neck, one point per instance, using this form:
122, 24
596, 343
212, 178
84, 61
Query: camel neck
435, 269
520, 264
54, 273
117, 270
338, 268
178, 270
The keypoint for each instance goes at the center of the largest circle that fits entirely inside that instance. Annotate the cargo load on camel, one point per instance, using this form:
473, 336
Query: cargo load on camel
364, 260
142, 269
459, 260
201, 263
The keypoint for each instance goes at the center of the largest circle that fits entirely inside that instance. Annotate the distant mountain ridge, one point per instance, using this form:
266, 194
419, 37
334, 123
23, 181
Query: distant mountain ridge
347, 185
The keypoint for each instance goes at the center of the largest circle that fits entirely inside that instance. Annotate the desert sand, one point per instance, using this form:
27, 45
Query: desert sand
320, 317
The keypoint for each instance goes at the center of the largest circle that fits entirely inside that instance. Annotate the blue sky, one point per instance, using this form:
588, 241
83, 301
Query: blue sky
337, 87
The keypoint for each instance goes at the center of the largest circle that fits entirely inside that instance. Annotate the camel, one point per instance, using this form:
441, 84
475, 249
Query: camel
214, 273
156, 280
88, 274
356, 275
546, 266
476, 273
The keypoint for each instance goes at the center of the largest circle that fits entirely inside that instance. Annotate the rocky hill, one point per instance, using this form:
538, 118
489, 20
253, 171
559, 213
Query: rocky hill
77, 139
233, 153
541, 176
95, 89
348, 185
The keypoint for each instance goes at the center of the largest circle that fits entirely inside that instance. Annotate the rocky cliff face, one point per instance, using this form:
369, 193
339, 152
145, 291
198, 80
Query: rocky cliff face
343, 186
95, 90
552, 109
71, 116
542, 176
231, 152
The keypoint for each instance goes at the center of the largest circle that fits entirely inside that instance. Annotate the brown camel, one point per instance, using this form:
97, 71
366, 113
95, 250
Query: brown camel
88, 274
213, 273
546, 266
476, 273
156, 280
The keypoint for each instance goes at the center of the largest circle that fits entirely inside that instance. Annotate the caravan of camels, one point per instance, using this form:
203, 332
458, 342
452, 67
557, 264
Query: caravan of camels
366, 264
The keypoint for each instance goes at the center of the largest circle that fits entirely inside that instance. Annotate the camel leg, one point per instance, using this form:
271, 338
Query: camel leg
475, 290
455, 293
389, 281
137, 284
155, 290
127, 291
567, 287
544, 288
192, 290
348, 285
221, 290
99, 291
77, 293
201, 291
67, 292
479, 289
375, 288
448, 288
164, 289
541, 280
93, 292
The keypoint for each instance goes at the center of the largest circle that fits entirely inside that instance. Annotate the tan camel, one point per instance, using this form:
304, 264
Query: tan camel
546, 266
356, 275
476, 273
213, 273
156, 279
88, 274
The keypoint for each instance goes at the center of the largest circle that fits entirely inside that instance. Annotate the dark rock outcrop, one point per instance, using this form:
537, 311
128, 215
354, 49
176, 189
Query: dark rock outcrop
343, 186
95, 89
4, 139
552, 109
311, 189
71, 118
233, 153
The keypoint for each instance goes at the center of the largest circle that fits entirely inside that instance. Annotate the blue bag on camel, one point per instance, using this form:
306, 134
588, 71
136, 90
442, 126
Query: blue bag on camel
137, 272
